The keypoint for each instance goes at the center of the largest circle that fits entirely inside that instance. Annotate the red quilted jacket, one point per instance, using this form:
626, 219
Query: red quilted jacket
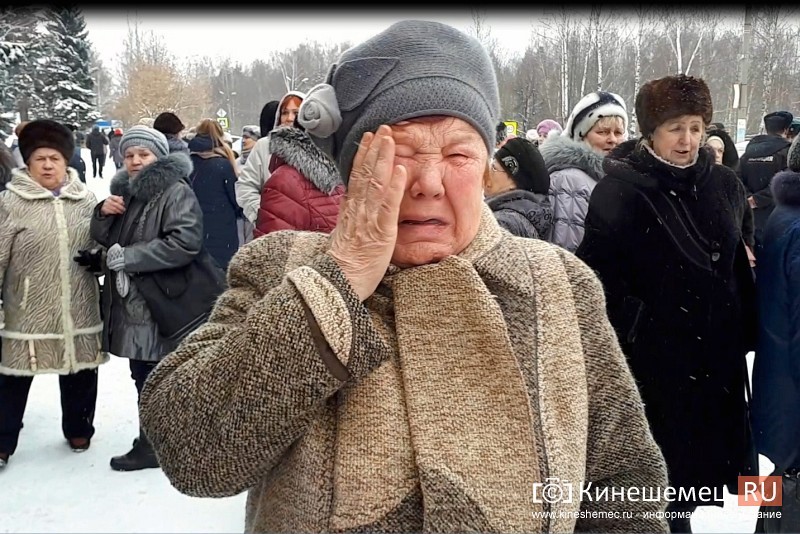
304, 189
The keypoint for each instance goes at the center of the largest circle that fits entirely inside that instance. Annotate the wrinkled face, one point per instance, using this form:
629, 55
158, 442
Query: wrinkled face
718, 148
248, 143
446, 160
137, 158
678, 140
47, 167
606, 134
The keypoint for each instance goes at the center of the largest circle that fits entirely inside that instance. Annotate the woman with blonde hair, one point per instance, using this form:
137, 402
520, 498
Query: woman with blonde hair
213, 181
574, 160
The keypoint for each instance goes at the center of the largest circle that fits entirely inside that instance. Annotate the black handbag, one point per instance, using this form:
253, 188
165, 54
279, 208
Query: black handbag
181, 299
786, 517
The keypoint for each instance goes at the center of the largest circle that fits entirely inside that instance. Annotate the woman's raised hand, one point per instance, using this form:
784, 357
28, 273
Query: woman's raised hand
363, 241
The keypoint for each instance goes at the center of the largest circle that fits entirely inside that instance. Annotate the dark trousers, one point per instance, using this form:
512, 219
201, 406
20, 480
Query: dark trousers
98, 159
78, 400
140, 370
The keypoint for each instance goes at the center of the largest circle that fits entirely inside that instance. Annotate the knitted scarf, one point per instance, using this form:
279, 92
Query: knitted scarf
448, 418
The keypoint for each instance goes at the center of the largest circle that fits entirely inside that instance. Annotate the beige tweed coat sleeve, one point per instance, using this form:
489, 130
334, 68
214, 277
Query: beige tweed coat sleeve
211, 390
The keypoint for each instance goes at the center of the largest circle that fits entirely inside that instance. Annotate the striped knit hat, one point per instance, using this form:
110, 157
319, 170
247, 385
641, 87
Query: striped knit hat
146, 137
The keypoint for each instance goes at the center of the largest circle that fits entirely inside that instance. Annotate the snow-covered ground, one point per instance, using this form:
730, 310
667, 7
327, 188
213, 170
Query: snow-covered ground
48, 488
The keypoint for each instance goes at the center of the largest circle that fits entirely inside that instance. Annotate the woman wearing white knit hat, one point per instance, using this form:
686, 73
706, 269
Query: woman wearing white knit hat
574, 160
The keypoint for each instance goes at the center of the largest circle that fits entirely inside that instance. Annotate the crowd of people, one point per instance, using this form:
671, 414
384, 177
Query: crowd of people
387, 314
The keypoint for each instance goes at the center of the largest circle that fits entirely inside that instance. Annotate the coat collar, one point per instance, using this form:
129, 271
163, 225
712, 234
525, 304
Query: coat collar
24, 186
295, 147
153, 179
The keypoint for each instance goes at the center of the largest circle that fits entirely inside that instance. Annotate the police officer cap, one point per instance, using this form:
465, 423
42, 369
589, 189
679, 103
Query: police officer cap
779, 119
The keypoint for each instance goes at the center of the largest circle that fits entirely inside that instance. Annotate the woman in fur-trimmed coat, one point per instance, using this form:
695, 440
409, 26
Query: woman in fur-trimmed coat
50, 303
151, 222
304, 189
575, 162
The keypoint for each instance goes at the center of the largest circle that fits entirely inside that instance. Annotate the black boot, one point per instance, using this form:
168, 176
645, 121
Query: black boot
141, 456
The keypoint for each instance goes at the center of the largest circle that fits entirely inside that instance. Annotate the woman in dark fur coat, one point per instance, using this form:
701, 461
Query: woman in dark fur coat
663, 233
151, 222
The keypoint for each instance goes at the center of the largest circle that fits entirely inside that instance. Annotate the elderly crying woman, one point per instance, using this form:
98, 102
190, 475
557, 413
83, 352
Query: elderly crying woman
419, 368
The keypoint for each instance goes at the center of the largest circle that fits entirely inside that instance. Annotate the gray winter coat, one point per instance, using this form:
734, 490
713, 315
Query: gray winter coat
169, 234
523, 213
574, 171
50, 303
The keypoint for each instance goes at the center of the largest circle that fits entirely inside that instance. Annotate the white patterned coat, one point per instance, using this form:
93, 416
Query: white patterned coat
50, 303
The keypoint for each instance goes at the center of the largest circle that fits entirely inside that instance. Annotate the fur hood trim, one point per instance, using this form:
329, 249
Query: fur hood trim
154, 178
561, 152
295, 147
24, 186
786, 188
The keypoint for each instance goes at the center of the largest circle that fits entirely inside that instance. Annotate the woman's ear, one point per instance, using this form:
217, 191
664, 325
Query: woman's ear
487, 176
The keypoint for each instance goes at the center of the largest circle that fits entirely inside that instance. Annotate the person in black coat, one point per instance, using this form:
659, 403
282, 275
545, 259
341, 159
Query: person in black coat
776, 368
663, 233
764, 157
724, 151
516, 188
213, 181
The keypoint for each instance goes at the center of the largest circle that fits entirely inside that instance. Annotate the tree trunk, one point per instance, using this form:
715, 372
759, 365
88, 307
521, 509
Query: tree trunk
678, 50
597, 43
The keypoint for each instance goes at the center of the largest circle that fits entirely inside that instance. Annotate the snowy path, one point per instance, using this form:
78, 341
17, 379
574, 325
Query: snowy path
47, 488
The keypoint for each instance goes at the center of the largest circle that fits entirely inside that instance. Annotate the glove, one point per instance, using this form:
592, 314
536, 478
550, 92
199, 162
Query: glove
122, 283
115, 257
90, 259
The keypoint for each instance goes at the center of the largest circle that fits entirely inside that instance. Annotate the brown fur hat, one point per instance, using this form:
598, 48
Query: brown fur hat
672, 96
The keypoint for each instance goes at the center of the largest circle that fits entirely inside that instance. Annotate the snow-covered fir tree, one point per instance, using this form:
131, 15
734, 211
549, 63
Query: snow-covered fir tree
25, 28
67, 84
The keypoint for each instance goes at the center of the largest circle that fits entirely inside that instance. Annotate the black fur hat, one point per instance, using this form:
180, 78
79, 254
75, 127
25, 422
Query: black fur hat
670, 97
168, 123
44, 133
523, 162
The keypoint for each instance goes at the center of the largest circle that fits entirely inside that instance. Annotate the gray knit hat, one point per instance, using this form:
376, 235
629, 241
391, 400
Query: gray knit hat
794, 155
412, 69
150, 138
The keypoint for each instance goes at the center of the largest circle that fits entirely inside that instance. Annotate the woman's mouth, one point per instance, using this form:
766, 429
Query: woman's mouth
417, 222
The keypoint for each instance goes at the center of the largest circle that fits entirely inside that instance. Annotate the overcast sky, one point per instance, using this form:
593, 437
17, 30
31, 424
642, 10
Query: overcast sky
246, 35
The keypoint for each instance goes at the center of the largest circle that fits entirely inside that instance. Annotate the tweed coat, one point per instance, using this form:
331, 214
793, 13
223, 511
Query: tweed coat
285, 392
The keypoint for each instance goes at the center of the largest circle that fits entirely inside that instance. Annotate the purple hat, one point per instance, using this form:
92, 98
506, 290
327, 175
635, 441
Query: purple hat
544, 127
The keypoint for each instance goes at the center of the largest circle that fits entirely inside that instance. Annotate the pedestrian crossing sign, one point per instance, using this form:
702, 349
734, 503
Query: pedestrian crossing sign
223, 121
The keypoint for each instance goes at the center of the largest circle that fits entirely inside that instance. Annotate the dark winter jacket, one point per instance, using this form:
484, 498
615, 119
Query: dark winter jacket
7, 165
176, 144
113, 148
764, 157
523, 213
574, 171
213, 181
77, 163
96, 142
776, 369
161, 229
304, 189
667, 244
